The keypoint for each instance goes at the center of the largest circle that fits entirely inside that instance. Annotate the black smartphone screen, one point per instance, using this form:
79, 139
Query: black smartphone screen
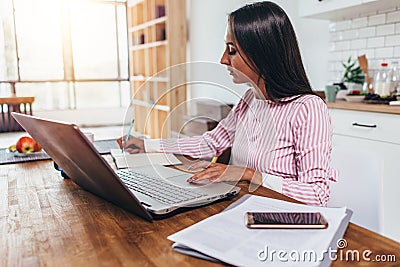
287, 218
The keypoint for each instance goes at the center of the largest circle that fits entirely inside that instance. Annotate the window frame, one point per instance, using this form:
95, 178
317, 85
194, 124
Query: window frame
67, 55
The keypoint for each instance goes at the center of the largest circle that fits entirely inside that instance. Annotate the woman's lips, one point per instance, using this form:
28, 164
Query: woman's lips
231, 72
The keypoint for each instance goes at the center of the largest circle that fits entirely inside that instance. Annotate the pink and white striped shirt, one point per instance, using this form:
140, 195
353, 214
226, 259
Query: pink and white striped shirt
290, 144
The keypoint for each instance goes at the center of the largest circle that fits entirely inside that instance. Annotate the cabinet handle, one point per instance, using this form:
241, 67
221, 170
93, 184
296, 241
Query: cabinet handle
364, 125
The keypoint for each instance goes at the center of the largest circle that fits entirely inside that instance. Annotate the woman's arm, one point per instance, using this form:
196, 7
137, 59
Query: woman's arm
210, 144
313, 144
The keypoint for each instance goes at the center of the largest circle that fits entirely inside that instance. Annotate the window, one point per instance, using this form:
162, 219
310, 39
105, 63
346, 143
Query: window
69, 54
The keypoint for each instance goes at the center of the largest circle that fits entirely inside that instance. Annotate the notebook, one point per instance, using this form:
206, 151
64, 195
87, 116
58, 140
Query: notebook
225, 238
126, 160
131, 189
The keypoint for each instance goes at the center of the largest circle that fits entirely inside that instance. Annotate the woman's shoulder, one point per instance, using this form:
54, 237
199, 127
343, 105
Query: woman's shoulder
310, 100
307, 106
245, 100
248, 96
311, 107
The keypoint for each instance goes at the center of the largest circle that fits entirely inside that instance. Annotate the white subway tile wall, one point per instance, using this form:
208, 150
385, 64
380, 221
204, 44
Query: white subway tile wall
385, 29
366, 32
376, 19
359, 23
393, 17
397, 50
375, 35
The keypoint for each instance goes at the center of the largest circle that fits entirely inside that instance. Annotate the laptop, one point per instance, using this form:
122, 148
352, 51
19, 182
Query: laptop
150, 192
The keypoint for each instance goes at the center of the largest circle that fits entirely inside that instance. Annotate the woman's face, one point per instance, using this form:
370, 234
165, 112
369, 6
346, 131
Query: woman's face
238, 69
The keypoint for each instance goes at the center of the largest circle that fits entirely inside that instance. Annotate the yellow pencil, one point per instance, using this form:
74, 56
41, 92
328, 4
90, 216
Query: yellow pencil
214, 160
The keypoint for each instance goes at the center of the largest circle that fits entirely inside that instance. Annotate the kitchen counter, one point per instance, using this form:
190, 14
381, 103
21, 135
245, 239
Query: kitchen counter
380, 108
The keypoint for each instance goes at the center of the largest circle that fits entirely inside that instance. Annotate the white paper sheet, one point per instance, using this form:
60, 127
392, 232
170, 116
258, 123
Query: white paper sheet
125, 160
225, 237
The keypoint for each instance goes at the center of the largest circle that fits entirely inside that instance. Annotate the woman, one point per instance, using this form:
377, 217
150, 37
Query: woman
280, 131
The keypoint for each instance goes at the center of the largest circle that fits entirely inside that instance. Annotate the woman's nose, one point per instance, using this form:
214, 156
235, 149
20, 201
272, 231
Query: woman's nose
225, 59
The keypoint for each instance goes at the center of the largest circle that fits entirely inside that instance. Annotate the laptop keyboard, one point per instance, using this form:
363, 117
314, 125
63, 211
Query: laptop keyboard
157, 188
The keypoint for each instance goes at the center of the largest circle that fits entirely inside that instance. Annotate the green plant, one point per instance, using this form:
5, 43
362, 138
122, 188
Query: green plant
353, 73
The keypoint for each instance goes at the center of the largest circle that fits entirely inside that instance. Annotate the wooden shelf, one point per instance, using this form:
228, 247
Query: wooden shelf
148, 45
151, 105
132, 3
148, 24
157, 41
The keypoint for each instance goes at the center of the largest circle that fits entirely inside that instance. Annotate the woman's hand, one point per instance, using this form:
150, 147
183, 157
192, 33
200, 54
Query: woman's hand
217, 172
133, 145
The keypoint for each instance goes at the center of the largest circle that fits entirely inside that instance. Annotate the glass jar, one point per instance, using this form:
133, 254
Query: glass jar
382, 81
395, 79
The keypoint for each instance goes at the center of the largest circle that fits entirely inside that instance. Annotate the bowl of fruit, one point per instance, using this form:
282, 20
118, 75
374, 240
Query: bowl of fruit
25, 146
355, 96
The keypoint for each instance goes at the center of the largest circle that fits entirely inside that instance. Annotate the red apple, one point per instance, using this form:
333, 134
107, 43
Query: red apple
37, 147
27, 145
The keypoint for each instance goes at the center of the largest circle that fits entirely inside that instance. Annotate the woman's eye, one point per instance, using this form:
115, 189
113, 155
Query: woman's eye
231, 50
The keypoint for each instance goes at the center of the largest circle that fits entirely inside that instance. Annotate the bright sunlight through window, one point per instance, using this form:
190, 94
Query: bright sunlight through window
68, 54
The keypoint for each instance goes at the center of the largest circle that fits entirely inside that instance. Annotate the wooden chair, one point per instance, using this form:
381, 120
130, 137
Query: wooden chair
13, 104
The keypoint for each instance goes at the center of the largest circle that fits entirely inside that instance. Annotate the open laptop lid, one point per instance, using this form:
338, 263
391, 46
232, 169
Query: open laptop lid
79, 159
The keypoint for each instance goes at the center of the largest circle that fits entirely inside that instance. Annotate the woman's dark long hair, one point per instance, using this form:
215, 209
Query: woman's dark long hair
267, 39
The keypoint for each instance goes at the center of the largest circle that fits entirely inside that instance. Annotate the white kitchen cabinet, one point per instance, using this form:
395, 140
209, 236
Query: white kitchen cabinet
380, 135
314, 8
342, 9
367, 125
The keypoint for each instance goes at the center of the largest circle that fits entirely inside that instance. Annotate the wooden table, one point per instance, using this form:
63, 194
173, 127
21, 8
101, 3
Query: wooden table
48, 221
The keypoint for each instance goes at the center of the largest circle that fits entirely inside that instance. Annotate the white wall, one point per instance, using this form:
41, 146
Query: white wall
377, 35
207, 23
313, 39
313, 36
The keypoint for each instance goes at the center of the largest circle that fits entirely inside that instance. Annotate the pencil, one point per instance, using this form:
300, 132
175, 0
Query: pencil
128, 134
214, 160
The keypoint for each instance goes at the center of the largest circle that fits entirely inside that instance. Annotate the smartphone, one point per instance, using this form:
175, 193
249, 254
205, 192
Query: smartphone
285, 220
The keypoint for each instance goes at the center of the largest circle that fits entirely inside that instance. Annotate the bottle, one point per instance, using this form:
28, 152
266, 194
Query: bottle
382, 81
395, 79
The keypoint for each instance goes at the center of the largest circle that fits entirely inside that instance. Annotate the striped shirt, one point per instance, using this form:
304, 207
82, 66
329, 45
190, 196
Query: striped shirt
292, 141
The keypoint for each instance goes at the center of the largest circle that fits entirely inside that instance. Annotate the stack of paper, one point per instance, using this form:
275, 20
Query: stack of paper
125, 160
225, 237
